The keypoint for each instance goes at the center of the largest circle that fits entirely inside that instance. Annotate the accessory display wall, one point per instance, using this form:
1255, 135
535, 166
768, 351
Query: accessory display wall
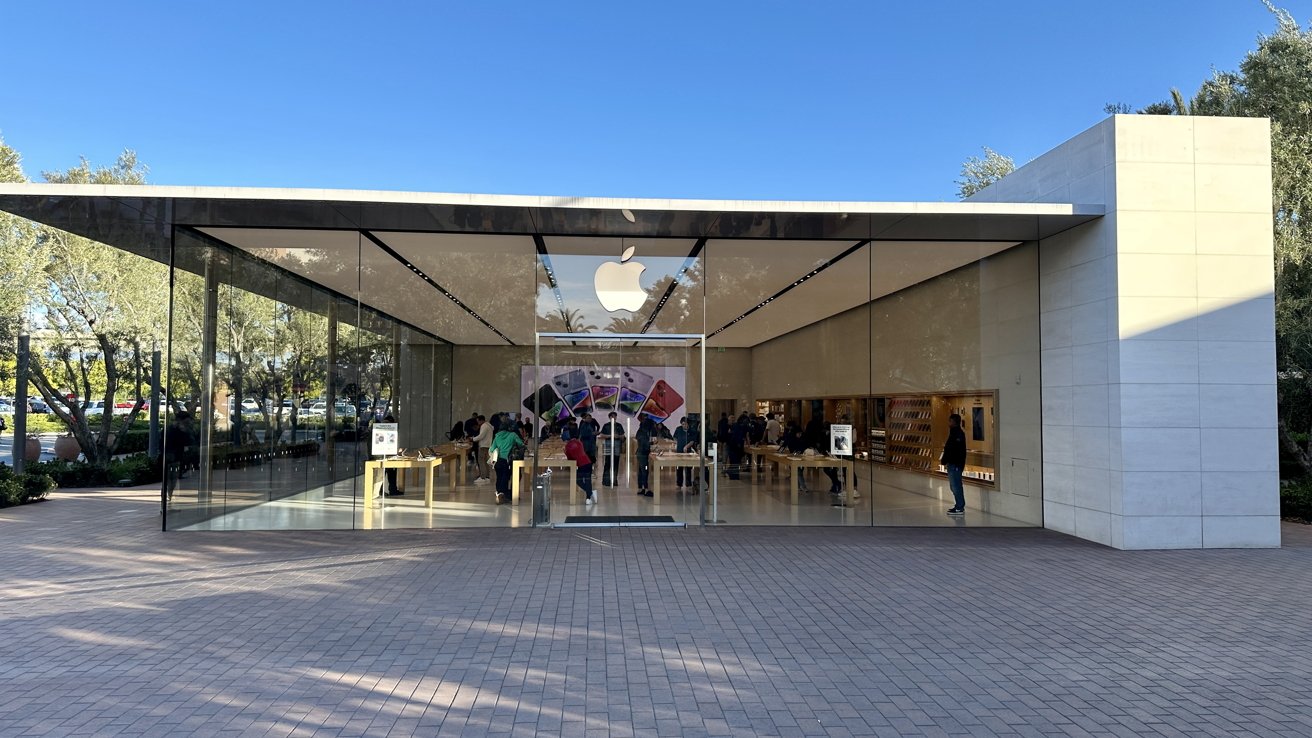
908, 431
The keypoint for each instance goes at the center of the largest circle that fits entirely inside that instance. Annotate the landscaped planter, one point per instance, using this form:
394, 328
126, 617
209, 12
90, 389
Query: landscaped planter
32, 451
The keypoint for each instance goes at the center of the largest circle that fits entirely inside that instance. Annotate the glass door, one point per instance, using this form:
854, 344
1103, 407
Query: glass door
635, 403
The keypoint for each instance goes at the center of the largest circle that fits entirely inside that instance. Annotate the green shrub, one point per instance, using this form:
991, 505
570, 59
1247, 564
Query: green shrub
11, 492
39, 423
134, 470
1296, 500
29, 487
36, 486
134, 441
69, 473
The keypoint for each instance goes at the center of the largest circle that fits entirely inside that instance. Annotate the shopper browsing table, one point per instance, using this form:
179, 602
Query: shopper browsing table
482, 443
575, 452
503, 446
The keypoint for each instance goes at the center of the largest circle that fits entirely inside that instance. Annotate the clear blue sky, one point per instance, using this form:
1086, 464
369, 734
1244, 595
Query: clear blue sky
866, 100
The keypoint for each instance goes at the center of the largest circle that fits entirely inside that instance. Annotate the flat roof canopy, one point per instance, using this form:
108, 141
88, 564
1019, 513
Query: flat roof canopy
434, 230
64, 206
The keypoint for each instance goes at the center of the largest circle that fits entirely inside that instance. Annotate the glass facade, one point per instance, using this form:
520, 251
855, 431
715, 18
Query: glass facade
288, 344
273, 381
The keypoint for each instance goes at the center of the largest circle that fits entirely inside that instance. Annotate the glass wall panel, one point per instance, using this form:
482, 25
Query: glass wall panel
789, 359
955, 332
250, 363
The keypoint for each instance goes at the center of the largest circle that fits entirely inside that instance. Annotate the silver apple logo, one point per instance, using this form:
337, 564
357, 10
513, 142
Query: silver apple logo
617, 284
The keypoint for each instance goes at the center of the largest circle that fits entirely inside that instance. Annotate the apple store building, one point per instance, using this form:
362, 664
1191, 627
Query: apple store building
1093, 333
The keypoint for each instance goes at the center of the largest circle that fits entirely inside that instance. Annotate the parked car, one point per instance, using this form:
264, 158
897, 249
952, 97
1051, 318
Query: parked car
125, 407
37, 406
94, 407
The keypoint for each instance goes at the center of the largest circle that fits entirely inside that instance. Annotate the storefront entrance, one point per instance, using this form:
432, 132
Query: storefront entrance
636, 403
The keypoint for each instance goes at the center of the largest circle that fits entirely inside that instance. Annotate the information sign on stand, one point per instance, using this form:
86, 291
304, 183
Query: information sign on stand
840, 440
385, 439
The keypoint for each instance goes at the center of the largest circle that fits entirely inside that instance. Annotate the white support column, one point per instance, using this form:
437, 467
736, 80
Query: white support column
1158, 334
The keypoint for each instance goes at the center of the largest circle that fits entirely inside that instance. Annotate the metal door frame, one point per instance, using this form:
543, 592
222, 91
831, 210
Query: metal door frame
697, 340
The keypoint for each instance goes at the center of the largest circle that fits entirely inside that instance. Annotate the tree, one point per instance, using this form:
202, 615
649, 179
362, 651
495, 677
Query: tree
980, 172
21, 261
103, 309
1275, 81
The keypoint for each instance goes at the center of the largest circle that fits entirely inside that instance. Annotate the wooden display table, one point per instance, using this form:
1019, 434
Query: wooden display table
663, 461
522, 466
428, 467
759, 453
812, 462
453, 454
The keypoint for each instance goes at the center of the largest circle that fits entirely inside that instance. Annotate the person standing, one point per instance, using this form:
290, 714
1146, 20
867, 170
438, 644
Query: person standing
177, 442
954, 458
772, 429
504, 445
575, 452
642, 454
471, 430
722, 435
482, 445
612, 445
796, 445
682, 438
836, 488
755, 434
735, 442
588, 428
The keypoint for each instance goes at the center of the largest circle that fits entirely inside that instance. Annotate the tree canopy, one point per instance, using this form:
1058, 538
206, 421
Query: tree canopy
979, 172
1275, 81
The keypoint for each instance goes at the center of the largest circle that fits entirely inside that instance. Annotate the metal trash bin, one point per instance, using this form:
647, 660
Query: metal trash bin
542, 499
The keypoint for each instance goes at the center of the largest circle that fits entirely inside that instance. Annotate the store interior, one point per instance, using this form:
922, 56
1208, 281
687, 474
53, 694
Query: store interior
315, 334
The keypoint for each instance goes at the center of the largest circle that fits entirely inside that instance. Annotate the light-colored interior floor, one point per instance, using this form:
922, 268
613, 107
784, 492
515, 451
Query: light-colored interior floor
757, 498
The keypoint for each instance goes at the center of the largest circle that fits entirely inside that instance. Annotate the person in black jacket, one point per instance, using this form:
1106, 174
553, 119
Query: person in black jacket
954, 458
612, 448
795, 444
642, 455
177, 448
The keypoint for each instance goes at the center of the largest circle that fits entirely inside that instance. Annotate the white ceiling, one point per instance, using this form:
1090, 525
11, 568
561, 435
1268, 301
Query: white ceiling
873, 271
500, 278
495, 276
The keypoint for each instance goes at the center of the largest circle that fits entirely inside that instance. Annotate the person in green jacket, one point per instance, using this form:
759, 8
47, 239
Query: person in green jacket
503, 443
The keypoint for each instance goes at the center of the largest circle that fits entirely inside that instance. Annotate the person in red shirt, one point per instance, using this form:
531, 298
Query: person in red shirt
574, 452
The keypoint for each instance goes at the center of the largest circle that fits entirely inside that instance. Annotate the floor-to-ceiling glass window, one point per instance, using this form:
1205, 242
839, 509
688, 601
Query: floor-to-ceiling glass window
833, 368
788, 331
284, 352
955, 378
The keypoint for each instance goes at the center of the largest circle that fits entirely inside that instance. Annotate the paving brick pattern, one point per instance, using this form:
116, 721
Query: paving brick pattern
109, 627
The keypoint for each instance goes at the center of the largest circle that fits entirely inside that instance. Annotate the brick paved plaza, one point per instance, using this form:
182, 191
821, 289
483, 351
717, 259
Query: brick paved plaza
109, 627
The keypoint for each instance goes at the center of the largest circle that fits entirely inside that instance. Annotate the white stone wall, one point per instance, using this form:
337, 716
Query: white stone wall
1158, 335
